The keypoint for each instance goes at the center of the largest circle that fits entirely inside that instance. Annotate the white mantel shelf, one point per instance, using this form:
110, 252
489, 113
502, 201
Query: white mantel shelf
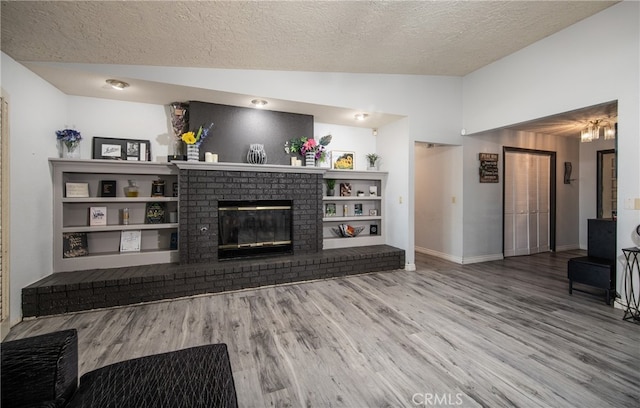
272, 168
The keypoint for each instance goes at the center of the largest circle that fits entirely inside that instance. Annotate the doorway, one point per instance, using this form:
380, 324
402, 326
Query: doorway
528, 201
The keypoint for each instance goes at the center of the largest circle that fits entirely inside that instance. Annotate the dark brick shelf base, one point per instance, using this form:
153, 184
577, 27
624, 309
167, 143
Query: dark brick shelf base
99, 288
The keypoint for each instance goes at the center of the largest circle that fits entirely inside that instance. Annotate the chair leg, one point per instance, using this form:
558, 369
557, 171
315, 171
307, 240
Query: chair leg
570, 286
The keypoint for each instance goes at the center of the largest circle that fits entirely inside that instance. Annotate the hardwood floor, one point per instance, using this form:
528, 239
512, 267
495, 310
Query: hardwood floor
495, 334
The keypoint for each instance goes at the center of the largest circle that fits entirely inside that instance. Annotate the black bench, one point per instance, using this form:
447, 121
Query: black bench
42, 371
598, 268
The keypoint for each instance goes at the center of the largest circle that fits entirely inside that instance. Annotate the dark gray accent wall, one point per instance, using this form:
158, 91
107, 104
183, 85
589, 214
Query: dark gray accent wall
235, 128
200, 191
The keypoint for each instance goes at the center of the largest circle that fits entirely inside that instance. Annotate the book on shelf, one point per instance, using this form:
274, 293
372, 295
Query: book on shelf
74, 244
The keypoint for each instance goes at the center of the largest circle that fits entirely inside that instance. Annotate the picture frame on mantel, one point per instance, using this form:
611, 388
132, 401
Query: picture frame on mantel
108, 148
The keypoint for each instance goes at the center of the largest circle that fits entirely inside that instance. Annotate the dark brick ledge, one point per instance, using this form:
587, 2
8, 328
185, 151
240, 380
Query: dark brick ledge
66, 292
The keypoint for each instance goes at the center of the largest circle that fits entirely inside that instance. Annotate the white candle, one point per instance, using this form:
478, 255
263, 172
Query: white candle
294, 161
214, 157
208, 157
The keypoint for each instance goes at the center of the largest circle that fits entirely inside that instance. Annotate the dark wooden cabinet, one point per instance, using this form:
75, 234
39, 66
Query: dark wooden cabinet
598, 268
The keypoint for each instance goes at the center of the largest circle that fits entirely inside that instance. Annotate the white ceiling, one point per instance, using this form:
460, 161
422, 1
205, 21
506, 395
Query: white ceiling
389, 37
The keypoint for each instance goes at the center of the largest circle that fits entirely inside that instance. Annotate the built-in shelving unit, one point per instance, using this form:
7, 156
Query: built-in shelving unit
366, 210
71, 214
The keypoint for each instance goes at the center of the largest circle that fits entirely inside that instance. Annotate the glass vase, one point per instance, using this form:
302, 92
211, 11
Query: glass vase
69, 150
193, 153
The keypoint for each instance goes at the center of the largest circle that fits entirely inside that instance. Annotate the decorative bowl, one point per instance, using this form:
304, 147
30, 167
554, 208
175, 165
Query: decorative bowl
347, 231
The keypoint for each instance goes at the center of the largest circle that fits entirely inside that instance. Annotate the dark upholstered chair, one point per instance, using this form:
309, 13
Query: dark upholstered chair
598, 268
40, 371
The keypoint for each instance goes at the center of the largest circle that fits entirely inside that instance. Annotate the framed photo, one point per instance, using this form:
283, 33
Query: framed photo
341, 160
357, 209
121, 149
76, 190
107, 188
130, 241
97, 216
373, 212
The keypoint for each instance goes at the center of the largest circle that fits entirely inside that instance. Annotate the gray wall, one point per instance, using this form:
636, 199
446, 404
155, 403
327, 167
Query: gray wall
483, 202
236, 128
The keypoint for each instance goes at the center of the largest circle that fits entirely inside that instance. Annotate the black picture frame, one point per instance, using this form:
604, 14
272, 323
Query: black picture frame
109, 148
107, 188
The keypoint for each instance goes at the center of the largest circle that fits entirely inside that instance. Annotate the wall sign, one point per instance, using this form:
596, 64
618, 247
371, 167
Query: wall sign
489, 167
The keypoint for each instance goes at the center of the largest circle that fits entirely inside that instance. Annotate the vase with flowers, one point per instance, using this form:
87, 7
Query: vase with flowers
69, 143
312, 151
179, 123
193, 141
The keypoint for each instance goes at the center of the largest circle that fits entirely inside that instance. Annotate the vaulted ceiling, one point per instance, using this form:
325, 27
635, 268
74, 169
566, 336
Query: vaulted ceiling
389, 37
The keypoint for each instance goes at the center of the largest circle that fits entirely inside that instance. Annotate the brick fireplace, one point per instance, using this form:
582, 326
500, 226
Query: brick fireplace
203, 186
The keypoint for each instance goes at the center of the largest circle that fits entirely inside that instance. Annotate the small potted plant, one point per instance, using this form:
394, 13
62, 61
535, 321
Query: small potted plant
331, 185
372, 158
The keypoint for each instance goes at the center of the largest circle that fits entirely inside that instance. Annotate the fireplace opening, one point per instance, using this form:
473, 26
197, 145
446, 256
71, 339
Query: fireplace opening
254, 228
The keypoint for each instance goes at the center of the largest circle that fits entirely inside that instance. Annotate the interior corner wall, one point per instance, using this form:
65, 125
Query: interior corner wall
393, 143
483, 207
36, 111
438, 201
587, 179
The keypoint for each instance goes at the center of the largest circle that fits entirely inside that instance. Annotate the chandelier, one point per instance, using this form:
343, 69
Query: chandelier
592, 131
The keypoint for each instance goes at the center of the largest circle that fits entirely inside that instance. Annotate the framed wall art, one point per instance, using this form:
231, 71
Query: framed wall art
341, 160
121, 149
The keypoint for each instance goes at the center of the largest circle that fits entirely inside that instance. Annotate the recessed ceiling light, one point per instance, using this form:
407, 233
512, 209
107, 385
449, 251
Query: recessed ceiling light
259, 103
361, 116
117, 84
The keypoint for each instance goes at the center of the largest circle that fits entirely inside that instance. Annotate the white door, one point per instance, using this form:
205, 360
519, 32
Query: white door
526, 203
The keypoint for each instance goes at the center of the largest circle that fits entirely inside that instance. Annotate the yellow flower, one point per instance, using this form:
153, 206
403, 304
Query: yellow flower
189, 138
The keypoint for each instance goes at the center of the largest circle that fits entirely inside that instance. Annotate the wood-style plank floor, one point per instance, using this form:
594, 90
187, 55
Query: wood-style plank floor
495, 334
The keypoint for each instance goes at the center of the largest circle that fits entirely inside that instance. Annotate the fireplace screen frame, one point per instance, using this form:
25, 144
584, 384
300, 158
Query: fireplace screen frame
254, 228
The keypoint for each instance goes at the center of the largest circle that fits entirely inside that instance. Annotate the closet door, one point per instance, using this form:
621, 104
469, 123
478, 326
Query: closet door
526, 212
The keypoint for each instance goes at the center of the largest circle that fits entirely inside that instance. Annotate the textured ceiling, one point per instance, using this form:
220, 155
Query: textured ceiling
406, 37
388, 37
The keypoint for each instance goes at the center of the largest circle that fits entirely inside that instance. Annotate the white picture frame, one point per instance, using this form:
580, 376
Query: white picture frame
76, 190
97, 216
130, 240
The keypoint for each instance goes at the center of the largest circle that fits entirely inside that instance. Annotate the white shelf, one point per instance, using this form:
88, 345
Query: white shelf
351, 198
352, 218
103, 242
119, 227
119, 199
360, 181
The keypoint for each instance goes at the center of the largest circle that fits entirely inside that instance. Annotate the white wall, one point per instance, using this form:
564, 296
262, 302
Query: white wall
347, 138
483, 201
559, 74
588, 182
36, 111
438, 201
125, 120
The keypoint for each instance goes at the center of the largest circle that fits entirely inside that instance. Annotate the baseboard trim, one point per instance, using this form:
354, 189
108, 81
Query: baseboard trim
567, 247
410, 267
483, 258
438, 254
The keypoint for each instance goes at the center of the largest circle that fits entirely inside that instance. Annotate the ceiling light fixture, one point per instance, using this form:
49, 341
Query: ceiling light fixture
117, 84
592, 131
259, 103
361, 116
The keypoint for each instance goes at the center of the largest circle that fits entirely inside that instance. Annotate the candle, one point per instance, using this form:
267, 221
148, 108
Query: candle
294, 161
214, 157
208, 157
